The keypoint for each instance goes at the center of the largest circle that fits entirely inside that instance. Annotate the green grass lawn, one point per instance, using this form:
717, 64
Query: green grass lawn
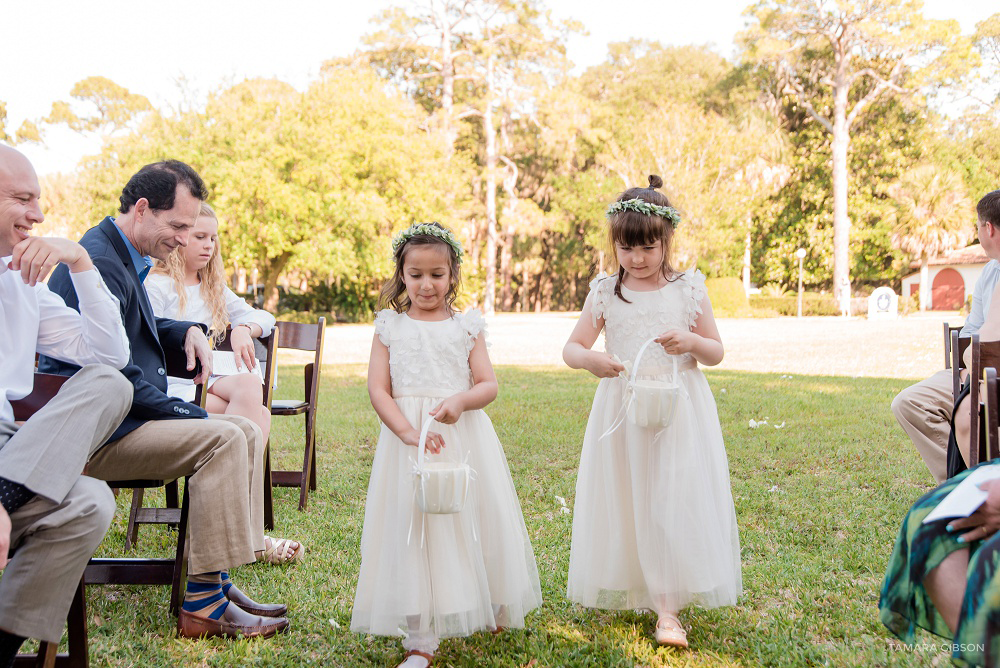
818, 503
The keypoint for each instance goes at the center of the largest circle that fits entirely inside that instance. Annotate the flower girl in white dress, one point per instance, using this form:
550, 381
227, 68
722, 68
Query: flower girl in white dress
654, 524
429, 576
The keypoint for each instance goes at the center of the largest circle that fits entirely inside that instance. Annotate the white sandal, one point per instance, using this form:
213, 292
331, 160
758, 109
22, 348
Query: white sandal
279, 551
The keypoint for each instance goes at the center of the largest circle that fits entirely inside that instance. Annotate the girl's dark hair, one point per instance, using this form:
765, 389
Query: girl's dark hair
631, 228
393, 294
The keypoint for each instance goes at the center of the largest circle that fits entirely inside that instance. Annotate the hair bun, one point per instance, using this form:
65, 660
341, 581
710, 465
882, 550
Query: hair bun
655, 181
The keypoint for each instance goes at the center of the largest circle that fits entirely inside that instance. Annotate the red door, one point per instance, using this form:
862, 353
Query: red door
947, 291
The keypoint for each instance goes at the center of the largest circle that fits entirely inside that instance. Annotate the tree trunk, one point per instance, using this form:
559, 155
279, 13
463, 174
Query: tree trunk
506, 271
272, 272
447, 79
925, 280
490, 291
840, 144
746, 264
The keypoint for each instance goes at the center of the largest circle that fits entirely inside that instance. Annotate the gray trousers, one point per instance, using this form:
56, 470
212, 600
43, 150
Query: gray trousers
55, 534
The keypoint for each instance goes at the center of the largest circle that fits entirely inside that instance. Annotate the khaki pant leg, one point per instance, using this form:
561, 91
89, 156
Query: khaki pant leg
47, 453
52, 544
924, 411
214, 454
255, 463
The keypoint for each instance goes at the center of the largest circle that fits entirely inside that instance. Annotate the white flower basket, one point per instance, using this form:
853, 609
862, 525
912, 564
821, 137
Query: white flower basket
442, 487
654, 402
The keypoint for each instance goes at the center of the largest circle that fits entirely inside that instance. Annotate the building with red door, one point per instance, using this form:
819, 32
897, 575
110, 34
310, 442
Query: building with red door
952, 276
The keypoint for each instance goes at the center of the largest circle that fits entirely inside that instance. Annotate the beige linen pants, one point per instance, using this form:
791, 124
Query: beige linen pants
924, 411
55, 534
223, 455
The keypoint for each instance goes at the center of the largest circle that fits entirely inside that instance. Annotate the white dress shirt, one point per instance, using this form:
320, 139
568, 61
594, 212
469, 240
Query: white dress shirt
982, 295
164, 299
33, 319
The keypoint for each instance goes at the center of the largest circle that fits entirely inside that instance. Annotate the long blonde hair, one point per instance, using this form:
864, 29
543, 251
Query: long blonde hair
212, 277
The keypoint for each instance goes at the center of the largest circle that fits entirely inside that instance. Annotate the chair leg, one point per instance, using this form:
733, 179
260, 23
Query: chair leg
312, 448
132, 531
46, 657
77, 629
180, 560
306, 472
268, 491
173, 498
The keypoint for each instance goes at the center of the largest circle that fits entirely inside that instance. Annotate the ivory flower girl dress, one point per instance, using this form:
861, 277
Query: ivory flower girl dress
654, 524
453, 574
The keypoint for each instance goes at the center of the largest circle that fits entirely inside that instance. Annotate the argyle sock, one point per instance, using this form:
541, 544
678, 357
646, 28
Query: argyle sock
13, 495
204, 595
9, 644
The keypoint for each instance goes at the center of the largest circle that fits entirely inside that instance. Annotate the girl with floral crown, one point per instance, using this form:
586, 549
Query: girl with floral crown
423, 575
654, 524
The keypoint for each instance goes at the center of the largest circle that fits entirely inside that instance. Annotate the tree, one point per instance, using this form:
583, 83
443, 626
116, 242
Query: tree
28, 132
107, 106
933, 215
500, 51
826, 45
310, 183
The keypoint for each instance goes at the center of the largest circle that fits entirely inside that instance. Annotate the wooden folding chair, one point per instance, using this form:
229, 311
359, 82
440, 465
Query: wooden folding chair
992, 412
298, 336
957, 350
948, 329
140, 514
984, 356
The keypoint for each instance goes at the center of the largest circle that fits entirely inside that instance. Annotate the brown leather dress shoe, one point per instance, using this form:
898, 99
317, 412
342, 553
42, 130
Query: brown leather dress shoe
235, 595
234, 623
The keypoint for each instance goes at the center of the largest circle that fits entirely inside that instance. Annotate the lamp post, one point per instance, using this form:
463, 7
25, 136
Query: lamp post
801, 254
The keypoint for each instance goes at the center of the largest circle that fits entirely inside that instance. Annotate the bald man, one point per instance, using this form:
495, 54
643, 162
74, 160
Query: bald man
52, 518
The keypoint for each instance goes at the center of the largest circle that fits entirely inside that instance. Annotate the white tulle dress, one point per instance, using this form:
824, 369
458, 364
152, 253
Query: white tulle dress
654, 524
443, 575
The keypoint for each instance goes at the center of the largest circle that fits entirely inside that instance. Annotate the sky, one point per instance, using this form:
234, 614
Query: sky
150, 48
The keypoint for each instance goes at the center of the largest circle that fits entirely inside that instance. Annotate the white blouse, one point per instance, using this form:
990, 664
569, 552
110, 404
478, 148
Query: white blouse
164, 299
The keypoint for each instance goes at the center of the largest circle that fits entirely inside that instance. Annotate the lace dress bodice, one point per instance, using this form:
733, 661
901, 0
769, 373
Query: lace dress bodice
627, 326
429, 358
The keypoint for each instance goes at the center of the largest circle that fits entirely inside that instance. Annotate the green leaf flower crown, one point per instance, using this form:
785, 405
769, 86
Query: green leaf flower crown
430, 229
646, 208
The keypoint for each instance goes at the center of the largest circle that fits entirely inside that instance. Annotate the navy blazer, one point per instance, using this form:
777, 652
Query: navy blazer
153, 339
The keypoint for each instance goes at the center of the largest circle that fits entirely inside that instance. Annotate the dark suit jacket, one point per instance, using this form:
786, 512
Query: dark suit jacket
153, 339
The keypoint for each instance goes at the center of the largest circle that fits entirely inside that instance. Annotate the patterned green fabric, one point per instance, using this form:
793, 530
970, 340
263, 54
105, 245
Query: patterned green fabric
905, 605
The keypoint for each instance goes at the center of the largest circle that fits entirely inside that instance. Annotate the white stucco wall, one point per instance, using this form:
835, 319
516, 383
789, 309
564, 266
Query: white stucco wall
970, 274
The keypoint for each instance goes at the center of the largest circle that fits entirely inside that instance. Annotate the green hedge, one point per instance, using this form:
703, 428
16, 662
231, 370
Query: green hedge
728, 298
812, 304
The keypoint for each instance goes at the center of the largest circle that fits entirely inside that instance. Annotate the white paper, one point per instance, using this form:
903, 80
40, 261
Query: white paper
224, 364
966, 497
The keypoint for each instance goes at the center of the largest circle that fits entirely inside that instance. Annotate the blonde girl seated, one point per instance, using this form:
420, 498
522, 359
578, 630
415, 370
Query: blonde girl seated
191, 286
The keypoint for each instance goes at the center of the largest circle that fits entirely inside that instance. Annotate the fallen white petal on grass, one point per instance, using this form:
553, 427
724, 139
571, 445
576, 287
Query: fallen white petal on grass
564, 510
562, 501
754, 423
723, 390
334, 624
779, 426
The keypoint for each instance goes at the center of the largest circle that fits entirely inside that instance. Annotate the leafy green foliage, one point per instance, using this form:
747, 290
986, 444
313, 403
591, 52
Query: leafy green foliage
728, 298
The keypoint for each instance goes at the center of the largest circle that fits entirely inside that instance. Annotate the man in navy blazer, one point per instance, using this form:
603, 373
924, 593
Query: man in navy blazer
166, 438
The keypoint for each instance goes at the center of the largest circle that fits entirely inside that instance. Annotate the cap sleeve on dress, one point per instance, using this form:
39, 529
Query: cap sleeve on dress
473, 324
602, 289
384, 321
694, 281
